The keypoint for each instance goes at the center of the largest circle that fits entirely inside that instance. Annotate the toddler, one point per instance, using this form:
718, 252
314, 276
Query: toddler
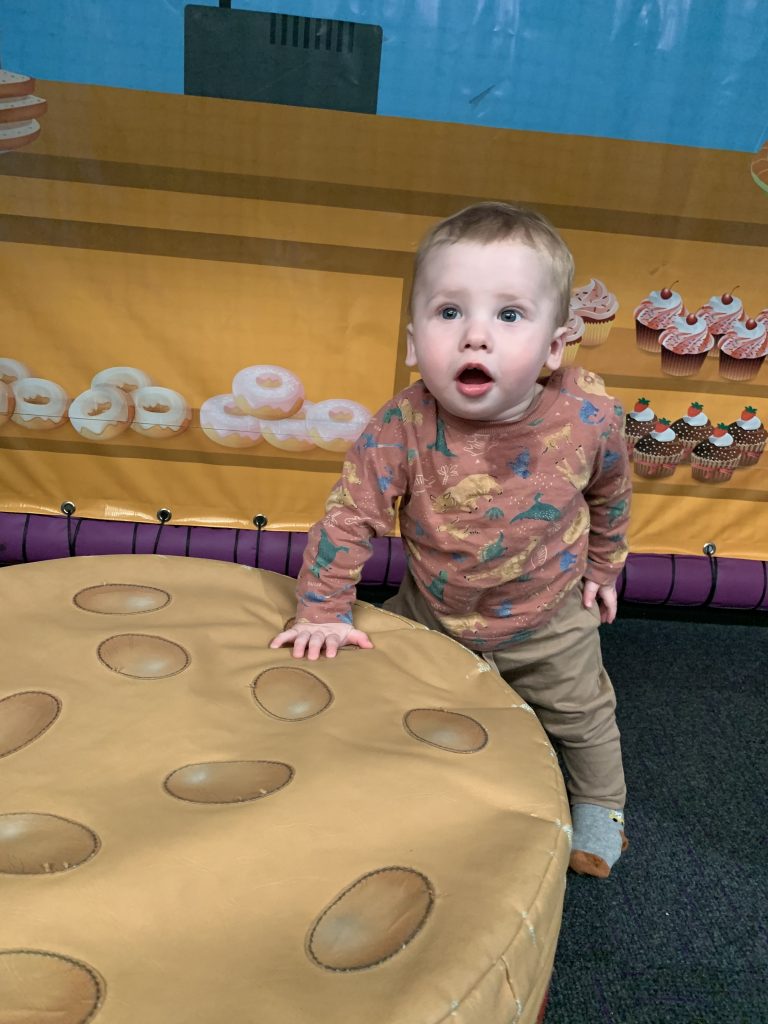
513, 492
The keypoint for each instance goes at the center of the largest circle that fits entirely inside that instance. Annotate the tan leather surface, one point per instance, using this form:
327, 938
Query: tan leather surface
195, 829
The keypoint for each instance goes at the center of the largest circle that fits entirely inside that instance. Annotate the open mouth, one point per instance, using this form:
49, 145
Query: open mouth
473, 381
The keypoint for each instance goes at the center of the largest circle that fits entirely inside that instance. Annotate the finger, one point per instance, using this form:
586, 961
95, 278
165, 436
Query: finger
360, 639
332, 645
300, 643
588, 596
315, 645
283, 638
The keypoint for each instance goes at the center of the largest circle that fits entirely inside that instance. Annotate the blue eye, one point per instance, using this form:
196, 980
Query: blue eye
509, 316
449, 313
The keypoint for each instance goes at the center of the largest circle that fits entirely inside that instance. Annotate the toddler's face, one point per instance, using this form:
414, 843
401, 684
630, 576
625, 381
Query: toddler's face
483, 327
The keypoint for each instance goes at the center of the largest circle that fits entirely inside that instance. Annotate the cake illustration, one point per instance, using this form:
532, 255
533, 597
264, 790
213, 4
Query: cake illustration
659, 453
638, 422
597, 307
720, 313
654, 314
749, 436
684, 345
572, 338
743, 349
714, 460
692, 428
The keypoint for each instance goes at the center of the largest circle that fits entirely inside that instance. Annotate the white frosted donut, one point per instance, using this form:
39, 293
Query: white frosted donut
290, 435
40, 404
6, 402
127, 378
223, 421
101, 413
160, 412
12, 369
337, 423
269, 392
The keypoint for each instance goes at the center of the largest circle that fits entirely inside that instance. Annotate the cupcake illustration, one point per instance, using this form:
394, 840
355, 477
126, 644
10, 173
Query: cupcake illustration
720, 313
574, 333
743, 349
659, 453
684, 346
654, 314
692, 428
597, 307
749, 436
638, 422
714, 460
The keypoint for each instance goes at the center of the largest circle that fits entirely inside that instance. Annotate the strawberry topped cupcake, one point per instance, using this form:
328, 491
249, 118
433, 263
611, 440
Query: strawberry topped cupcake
714, 460
658, 453
749, 436
692, 428
638, 422
574, 332
684, 346
743, 349
654, 315
597, 307
720, 313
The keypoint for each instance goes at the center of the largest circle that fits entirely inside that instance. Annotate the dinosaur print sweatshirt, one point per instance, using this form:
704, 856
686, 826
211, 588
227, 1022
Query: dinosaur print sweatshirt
499, 520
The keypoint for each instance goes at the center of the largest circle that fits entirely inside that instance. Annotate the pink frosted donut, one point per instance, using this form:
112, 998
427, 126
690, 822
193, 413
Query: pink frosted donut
101, 413
223, 421
127, 378
12, 369
290, 435
268, 392
40, 404
337, 423
6, 402
160, 412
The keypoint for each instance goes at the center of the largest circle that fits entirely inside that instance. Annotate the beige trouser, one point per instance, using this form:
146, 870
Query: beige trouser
560, 673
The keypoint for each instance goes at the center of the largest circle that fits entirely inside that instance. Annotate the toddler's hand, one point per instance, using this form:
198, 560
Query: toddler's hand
312, 637
606, 599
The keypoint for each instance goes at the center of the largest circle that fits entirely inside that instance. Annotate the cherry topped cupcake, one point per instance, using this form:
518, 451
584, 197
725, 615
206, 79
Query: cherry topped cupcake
684, 345
597, 307
655, 314
714, 460
638, 422
658, 453
720, 313
743, 349
749, 436
692, 428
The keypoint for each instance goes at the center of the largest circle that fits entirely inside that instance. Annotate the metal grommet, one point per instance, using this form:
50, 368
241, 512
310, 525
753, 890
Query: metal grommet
68, 508
710, 549
260, 521
164, 515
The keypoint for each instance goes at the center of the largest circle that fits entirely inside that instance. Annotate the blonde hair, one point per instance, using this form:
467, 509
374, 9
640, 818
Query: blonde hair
500, 222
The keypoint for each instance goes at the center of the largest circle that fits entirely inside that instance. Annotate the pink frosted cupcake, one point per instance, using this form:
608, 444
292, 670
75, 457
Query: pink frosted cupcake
574, 333
684, 346
654, 315
743, 349
597, 307
638, 423
720, 313
749, 436
692, 428
659, 453
714, 460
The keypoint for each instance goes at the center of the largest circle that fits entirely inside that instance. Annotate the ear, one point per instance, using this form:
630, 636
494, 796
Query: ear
410, 352
556, 349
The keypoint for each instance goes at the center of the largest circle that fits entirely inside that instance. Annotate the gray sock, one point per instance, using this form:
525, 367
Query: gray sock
598, 830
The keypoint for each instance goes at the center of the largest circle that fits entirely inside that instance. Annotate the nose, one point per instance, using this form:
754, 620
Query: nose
476, 336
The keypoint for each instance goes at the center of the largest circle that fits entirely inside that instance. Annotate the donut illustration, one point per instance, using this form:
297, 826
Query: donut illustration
336, 423
160, 412
101, 413
268, 392
19, 110
127, 378
40, 404
12, 369
224, 422
7, 402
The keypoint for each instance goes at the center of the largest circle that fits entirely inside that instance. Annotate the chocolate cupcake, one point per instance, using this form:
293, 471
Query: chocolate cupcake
743, 349
714, 460
638, 423
659, 453
719, 314
684, 346
692, 428
749, 436
653, 315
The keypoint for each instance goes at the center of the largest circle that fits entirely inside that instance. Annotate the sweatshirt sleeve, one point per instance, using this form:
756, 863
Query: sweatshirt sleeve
360, 506
608, 495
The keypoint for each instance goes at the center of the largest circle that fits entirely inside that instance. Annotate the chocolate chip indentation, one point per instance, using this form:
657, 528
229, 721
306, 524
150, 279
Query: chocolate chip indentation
121, 599
41, 844
291, 694
25, 716
142, 656
228, 782
446, 729
36, 985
